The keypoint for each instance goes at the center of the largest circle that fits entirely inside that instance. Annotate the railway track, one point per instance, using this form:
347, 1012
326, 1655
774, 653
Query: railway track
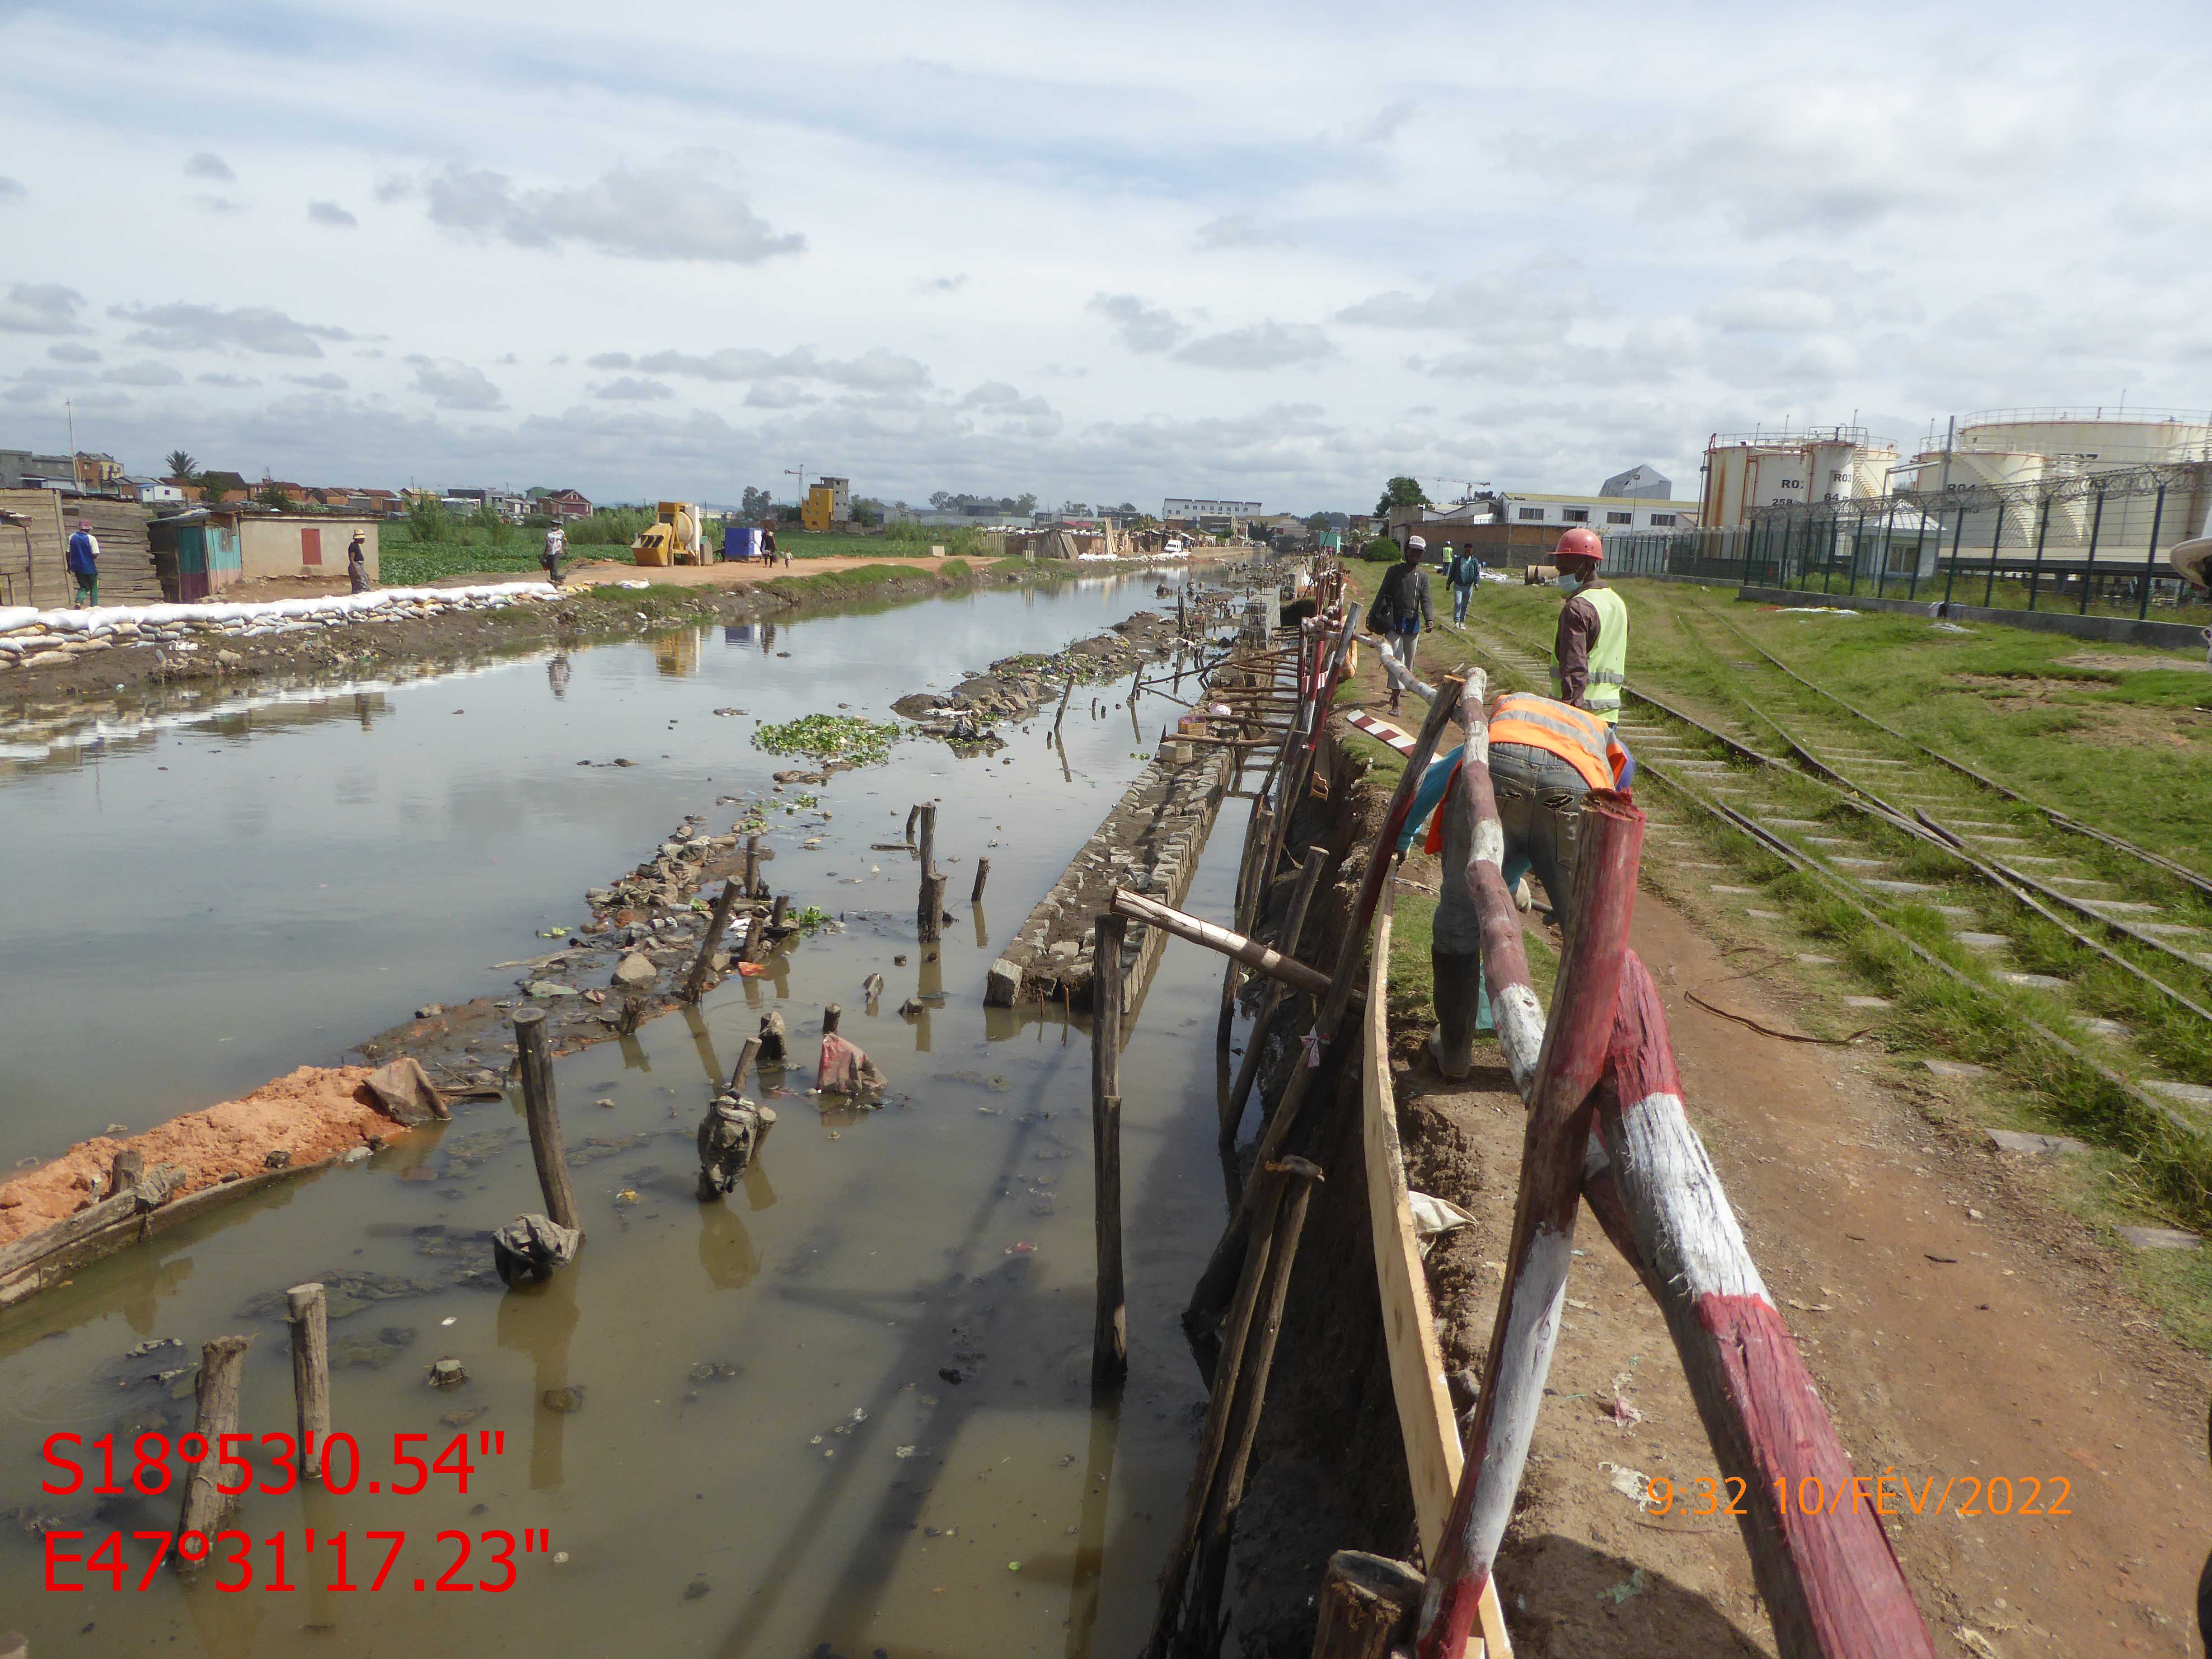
2099, 945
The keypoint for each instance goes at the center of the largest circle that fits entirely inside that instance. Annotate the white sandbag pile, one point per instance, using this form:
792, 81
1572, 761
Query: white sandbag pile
29, 638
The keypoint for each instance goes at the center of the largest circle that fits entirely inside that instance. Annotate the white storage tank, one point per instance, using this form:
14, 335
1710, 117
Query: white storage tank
2100, 442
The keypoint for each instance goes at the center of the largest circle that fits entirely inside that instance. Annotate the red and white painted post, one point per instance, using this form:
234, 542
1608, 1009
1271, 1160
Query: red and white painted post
1823, 1563
1567, 1065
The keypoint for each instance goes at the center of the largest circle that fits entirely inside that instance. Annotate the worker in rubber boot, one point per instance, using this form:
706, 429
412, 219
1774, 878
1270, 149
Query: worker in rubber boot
1591, 653
1544, 756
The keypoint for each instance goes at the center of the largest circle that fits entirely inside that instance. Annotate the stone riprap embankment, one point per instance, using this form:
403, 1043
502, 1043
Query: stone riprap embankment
1150, 844
1017, 687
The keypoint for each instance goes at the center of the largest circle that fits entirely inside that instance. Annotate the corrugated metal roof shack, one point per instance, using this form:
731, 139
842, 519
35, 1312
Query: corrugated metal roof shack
35, 544
197, 553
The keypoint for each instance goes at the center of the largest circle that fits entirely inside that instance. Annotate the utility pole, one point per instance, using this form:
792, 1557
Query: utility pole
76, 473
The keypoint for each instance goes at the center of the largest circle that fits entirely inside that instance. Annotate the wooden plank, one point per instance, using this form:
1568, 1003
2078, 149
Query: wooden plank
1424, 1414
33, 1248
1426, 1423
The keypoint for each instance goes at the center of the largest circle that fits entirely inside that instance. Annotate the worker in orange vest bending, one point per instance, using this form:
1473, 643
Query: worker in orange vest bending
1545, 756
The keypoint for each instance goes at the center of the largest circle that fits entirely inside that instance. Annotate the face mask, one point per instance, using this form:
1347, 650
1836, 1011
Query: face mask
1572, 586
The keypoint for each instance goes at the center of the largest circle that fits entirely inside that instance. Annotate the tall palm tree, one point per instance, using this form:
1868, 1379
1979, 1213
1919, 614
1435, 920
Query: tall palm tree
182, 466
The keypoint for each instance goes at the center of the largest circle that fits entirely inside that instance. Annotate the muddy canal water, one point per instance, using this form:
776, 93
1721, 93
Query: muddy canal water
846, 1411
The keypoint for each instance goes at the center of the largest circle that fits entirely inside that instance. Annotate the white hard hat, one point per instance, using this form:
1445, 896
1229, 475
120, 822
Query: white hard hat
1415, 541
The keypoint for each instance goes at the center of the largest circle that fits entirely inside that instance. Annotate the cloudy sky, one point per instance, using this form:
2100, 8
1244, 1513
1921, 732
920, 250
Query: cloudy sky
1274, 251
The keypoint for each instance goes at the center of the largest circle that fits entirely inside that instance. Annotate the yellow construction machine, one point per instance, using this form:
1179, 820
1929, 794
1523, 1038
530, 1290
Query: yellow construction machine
671, 538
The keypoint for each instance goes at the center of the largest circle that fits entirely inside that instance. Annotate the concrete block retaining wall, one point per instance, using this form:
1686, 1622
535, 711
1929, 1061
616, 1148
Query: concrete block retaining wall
1150, 843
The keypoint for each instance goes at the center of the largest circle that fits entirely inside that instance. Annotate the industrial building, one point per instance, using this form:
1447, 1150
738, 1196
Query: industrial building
1178, 508
1745, 473
1639, 483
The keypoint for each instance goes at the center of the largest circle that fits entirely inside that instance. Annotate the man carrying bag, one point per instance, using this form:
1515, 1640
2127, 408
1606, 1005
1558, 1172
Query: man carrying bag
1402, 610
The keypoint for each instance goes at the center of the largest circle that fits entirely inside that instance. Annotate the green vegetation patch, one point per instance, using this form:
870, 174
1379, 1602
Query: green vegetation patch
845, 738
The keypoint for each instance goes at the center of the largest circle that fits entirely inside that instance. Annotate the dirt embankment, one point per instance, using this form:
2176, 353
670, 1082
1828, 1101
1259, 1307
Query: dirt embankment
317, 1113
1962, 1327
584, 615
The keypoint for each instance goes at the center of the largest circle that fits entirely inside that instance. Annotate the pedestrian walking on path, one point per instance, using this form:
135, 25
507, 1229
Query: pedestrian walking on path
357, 562
1463, 570
556, 544
84, 566
1544, 756
1402, 609
1590, 650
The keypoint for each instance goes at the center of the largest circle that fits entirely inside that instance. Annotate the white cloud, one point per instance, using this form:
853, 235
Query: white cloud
631, 389
330, 212
218, 205
1141, 326
41, 308
325, 382
208, 165
778, 394
451, 385
69, 352
184, 328
11, 190
1754, 226
1261, 346
145, 373
1239, 230
680, 209
874, 370
229, 382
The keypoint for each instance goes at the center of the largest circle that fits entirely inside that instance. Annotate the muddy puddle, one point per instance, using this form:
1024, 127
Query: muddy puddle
846, 1411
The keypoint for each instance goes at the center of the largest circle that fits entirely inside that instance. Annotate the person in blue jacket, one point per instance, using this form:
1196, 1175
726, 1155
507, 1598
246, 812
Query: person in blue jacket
84, 566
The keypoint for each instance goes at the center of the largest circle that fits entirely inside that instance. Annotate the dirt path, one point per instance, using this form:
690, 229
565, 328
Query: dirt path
1961, 1326
591, 573
1958, 1325
595, 571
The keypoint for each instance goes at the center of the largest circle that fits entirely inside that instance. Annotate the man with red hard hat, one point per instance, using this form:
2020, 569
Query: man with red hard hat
1591, 647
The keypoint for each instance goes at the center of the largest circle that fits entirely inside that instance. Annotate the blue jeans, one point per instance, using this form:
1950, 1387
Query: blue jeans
1460, 595
1539, 807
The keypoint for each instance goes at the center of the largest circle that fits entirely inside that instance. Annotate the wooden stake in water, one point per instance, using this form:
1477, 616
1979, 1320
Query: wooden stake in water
1109, 1338
308, 1310
982, 875
929, 909
221, 1362
543, 1115
694, 984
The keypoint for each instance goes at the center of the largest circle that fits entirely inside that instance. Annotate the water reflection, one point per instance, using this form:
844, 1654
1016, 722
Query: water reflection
540, 1320
949, 1232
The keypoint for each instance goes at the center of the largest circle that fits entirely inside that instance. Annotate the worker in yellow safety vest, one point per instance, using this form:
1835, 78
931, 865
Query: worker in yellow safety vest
1591, 653
1544, 756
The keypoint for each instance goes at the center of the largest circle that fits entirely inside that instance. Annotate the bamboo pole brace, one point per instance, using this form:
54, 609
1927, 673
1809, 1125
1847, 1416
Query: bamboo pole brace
1309, 874
1555, 1138
1830, 1581
1253, 954
1214, 1284
1268, 1188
